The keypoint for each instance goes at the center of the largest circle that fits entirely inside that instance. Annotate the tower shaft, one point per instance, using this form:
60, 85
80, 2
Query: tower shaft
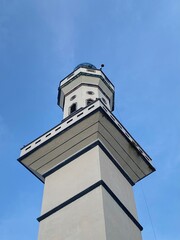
88, 164
89, 198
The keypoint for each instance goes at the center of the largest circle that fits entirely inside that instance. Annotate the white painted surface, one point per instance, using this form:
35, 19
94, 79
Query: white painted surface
71, 179
80, 96
94, 72
80, 220
117, 183
118, 225
95, 215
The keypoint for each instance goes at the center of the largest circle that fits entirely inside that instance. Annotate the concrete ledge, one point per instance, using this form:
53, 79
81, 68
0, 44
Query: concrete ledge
97, 125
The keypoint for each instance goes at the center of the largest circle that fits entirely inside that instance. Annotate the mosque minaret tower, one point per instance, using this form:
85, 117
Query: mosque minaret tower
88, 164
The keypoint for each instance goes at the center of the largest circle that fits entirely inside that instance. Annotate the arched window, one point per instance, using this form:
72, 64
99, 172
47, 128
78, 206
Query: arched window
89, 101
73, 108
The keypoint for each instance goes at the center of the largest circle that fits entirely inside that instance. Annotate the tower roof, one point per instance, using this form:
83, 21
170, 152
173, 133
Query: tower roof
85, 65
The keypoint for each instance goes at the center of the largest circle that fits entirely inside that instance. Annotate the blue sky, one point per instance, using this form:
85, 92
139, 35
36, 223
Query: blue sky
139, 43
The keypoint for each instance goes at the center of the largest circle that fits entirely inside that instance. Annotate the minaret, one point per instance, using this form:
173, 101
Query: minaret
88, 164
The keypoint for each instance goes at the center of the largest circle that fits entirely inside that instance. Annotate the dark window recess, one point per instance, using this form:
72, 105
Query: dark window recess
112, 117
140, 150
73, 108
90, 107
37, 141
48, 134
126, 134
90, 70
89, 101
120, 126
104, 101
57, 128
90, 92
105, 109
79, 114
28, 148
70, 120
73, 97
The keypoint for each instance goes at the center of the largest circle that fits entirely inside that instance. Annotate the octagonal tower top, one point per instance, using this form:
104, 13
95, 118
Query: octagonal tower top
83, 86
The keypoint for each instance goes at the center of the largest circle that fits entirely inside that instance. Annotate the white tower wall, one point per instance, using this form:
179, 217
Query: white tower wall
88, 164
80, 97
81, 86
91, 214
81, 220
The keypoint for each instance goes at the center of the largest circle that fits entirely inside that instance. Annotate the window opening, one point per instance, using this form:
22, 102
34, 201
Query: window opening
90, 92
73, 97
73, 108
89, 101
103, 99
